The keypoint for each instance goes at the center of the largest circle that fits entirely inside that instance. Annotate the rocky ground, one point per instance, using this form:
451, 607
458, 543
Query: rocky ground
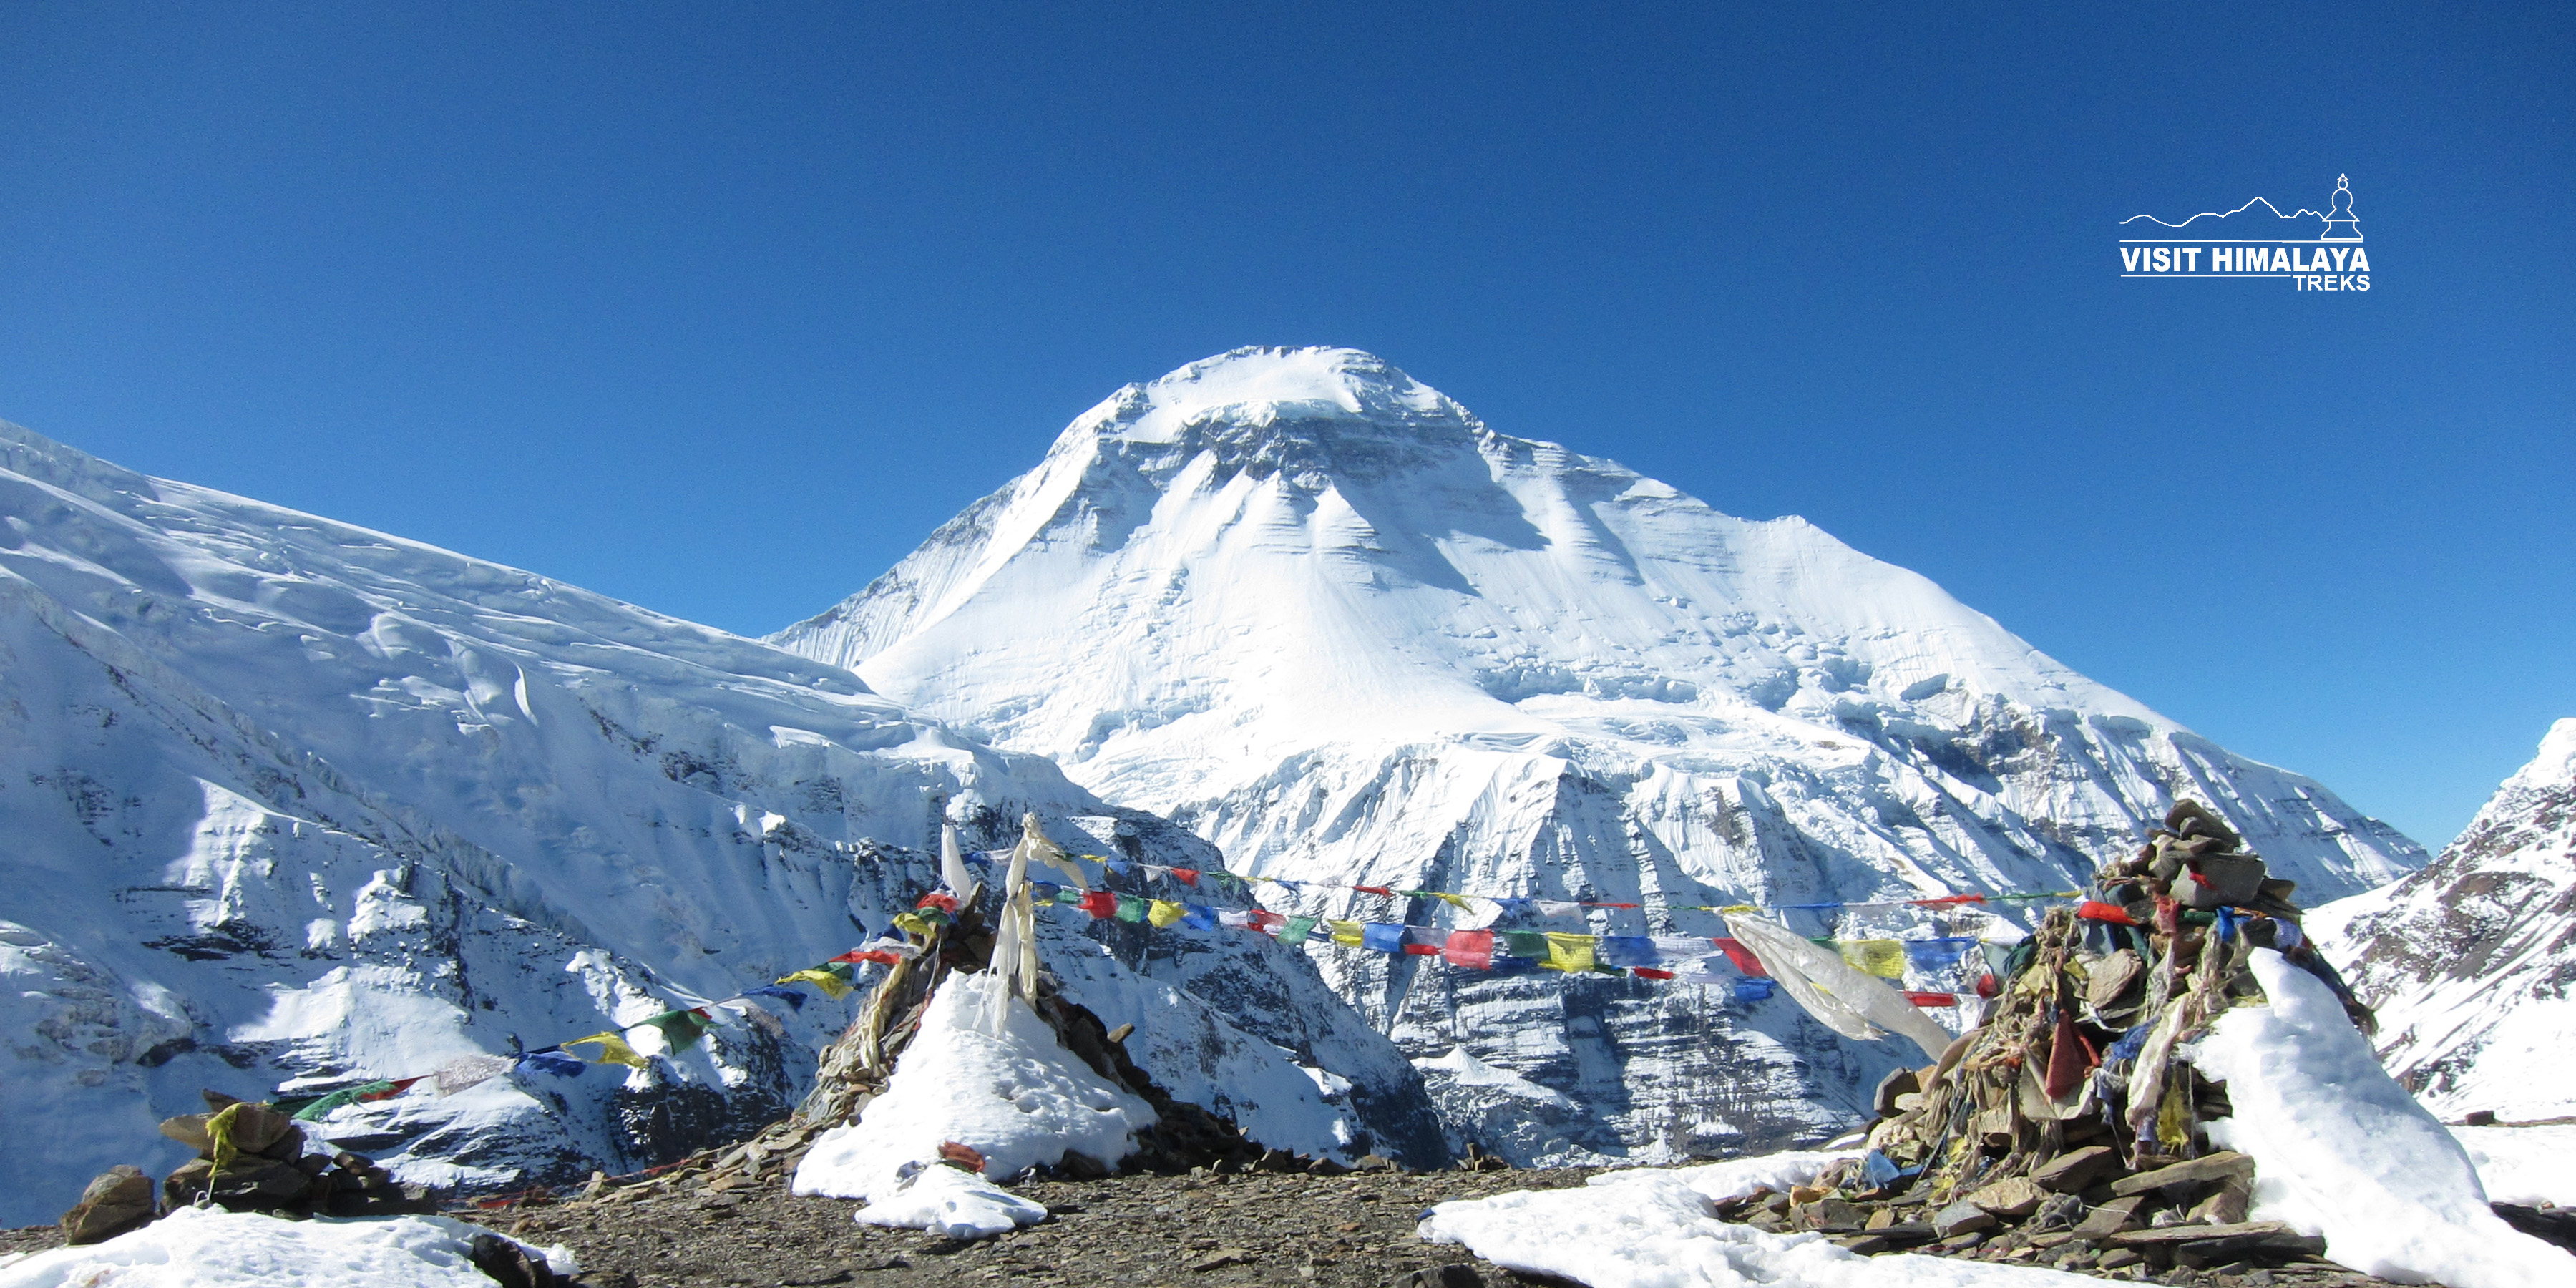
1353, 1231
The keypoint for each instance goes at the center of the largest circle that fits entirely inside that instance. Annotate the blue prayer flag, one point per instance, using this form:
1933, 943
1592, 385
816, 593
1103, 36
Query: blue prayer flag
1382, 937
1625, 950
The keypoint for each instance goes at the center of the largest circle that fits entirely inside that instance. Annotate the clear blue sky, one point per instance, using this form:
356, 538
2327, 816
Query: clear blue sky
721, 308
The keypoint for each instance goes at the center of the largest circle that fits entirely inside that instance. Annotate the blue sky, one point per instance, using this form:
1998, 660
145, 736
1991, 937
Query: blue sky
720, 309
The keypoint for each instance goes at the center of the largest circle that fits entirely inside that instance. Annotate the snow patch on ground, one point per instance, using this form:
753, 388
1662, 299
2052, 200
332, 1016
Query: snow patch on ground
2341, 1150
1017, 1097
1656, 1229
200, 1248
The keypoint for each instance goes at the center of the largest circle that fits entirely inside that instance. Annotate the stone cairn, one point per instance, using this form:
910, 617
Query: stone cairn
253, 1157
2064, 1129
855, 1069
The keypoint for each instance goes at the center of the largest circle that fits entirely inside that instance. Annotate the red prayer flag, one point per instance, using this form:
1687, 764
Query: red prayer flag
946, 903
1947, 901
1186, 876
1375, 890
2093, 910
1101, 904
1421, 950
1649, 972
1742, 956
1933, 999
1470, 949
390, 1092
1262, 917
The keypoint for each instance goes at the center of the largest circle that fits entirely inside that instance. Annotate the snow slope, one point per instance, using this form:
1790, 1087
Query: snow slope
283, 798
1322, 615
2471, 963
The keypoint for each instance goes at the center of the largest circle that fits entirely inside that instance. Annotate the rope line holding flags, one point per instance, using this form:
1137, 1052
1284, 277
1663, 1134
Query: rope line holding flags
1855, 966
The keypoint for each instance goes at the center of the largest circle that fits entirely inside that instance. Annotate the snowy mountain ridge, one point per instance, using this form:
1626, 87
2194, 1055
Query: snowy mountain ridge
2471, 962
282, 798
1325, 617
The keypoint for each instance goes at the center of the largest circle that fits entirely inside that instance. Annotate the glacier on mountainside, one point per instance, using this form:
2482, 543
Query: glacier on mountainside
1320, 614
2471, 962
282, 798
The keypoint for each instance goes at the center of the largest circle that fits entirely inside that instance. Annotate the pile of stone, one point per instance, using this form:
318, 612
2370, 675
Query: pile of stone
251, 1157
2065, 1129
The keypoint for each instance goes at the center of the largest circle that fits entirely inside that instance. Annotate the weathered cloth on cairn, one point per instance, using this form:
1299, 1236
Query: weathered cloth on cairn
2069, 1108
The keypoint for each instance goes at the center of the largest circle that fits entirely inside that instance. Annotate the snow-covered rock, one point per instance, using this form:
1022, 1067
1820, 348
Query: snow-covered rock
2471, 963
2341, 1150
1322, 615
1008, 1090
282, 798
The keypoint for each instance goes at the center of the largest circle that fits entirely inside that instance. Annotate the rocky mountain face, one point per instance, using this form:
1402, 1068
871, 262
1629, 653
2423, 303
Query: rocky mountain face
2471, 963
284, 799
1321, 615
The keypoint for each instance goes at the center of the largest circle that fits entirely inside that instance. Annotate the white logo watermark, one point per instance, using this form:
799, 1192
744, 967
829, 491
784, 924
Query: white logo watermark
2333, 260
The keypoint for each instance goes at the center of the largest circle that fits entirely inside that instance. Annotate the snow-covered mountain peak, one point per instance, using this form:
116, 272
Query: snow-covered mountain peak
2555, 766
1255, 391
1330, 620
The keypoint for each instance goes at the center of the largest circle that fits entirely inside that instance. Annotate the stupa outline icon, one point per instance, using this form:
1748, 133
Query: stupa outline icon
2341, 224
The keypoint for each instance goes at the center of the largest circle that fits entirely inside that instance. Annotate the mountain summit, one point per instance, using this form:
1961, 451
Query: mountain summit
1324, 616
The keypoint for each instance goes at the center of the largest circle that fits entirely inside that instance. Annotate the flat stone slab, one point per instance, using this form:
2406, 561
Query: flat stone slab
2174, 1235
2197, 1171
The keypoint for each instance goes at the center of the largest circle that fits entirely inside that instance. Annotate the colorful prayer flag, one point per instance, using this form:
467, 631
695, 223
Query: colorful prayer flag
1293, 931
1382, 937
1627, 950
1569, 953
1131, 908
613, 1048
1346, 932
1162, 913
553, 1060
1101, 904
1884, 958
680, 1029
1741, 956
835, 986
1469, 949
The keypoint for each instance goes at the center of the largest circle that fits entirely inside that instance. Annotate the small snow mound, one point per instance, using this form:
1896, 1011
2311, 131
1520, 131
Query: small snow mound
944, 1200
202, 1248
2341, 1150
1017, 1097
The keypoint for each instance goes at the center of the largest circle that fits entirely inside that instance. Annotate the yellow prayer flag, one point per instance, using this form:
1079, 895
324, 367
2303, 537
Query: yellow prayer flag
1884, 958
1345, 932
1163, 913
613, 1049
1453, 900
912, 922
1568, 952
1739, 908
833, 986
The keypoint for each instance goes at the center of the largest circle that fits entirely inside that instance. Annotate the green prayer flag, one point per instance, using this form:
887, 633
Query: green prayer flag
1527, 943
321, 1108
1296, 929
680, 1029
1131, 907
